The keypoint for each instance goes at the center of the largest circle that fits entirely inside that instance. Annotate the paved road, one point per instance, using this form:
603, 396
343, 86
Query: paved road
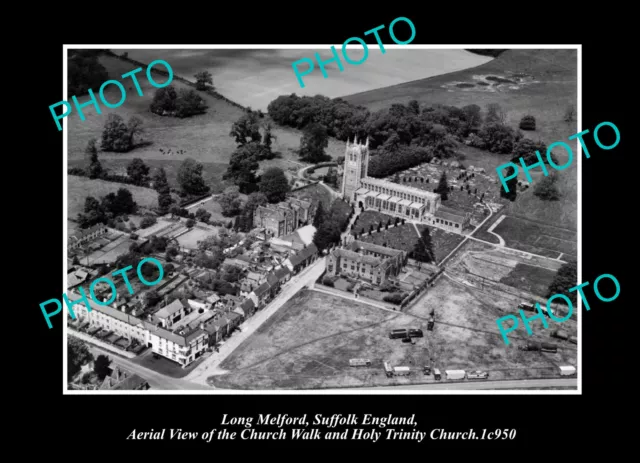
156, 380
209, 366
514, 384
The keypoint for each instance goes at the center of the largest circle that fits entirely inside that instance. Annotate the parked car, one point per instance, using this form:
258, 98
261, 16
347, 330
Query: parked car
426, 370
415, 333
477, 375
408, 339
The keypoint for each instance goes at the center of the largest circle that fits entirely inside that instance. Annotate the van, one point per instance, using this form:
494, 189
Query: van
436, 374
401, 333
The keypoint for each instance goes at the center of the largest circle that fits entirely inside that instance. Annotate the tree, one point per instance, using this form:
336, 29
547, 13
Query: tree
566, 278
268, 137
93, 214
134, 127
313, 142
274, 184
528, 122
84, 72
164, 100
202, 79
243, 166
101, 367
319, 216
182, 103
189, 103
190, 178
202, 215
443, 186
190, 223
77, 355
230, 203
546, 189
151, 297
95, 168
115, 136
247, 128
495, 113
161, 185
147, 221
473, 117
332, 177
570, 114
512, 184
138, 172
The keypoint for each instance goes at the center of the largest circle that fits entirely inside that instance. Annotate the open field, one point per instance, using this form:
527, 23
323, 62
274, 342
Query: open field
255, 77
81, 187
204, 138
310, 343
443, 241
190, 239
552, 89
537, 238
517, 277
314, 192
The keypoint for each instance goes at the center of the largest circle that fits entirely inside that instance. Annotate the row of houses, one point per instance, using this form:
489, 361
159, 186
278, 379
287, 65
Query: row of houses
183, 330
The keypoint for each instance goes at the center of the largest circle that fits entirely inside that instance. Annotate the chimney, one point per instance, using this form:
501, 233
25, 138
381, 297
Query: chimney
202, 325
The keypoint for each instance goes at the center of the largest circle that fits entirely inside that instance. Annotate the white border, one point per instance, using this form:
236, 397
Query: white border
346, 391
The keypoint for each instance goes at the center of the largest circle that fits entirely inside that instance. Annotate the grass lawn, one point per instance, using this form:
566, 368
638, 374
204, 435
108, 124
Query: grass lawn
204, 138
81, 187
213, 207
537, 238
529, 278
190, 239
555, 88
443, 241
368, 218
315, 193
403, 237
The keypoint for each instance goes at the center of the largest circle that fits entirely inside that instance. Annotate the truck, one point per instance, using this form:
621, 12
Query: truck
478, 374
430, 324
401, 371
436, 374
560, 334
400, 333
567, 370
532, 308
455, 374
360, 362
395, 371
539, 346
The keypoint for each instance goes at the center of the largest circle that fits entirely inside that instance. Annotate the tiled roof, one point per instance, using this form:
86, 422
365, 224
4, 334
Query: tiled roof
170, 309
282, 272
449, 216
262, 289
354, 256
272, 279
248, 304
355, 245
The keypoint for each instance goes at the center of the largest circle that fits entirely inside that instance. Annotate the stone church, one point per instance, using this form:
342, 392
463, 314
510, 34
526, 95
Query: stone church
389, 197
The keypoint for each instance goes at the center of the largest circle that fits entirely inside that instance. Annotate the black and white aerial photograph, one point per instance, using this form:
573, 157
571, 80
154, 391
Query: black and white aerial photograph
352, 235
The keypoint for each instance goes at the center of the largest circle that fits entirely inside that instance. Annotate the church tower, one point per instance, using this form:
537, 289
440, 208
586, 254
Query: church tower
356, 164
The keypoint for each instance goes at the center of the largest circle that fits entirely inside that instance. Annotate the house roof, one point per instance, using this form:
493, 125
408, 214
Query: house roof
356, 244
281, 272
354, 256
170, 309
272, 279
262, 289
449, 216
254, 276
82, 233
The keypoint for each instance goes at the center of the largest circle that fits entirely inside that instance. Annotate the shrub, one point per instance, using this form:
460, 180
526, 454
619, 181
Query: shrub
394, 298
147, 221
528, 123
